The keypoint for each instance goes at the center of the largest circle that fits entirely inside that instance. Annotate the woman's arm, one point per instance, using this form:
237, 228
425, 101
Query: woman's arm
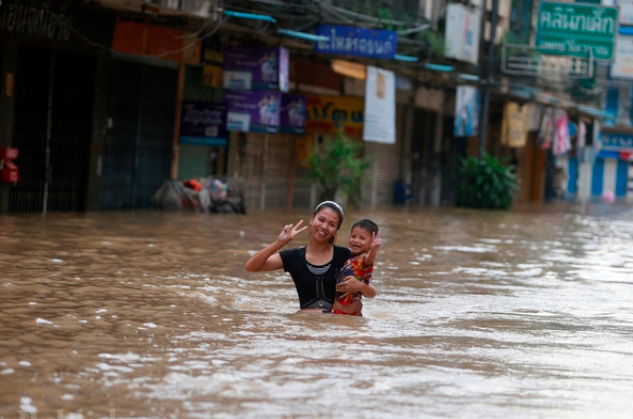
268, 259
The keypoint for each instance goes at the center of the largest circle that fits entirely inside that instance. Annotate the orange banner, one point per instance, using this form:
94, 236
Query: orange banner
330, 114
149, 40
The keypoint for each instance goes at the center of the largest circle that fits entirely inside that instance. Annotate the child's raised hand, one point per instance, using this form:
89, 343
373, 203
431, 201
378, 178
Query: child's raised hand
290, 231
375, 242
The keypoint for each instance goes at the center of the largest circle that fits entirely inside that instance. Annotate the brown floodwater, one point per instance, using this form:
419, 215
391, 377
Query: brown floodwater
519, 314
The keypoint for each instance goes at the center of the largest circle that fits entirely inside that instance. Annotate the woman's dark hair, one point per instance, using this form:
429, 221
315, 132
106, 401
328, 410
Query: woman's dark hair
366, 224
336, 208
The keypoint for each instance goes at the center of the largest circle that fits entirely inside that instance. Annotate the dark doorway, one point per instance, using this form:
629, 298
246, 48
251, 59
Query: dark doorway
52, 130
422, 156
141, 103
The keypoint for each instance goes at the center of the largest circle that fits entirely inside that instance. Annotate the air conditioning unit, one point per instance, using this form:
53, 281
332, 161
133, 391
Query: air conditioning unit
200, 8
172, 4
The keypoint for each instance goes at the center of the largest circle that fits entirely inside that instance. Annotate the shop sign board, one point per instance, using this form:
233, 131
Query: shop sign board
203, 123
362, 42
576, 29
334, 114
252, 110
255, 68
616, 141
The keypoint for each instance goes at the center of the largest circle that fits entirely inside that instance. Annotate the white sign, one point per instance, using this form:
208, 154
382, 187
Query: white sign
625, 15
379, 124
237, 80
622, 66
463, 27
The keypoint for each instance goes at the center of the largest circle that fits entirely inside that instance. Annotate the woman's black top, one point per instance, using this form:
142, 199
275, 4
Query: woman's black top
315, 290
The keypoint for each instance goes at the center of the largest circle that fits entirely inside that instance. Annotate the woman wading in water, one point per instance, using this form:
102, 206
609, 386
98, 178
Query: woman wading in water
314, 267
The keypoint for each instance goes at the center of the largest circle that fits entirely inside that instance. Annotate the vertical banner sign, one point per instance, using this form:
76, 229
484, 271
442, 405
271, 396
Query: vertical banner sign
462, 33
251, 68
380, 106
293, 114
304, 151
348, 40
203, 123
211, 60
622, 66
252, 110
334, 114
577, 29
467, 109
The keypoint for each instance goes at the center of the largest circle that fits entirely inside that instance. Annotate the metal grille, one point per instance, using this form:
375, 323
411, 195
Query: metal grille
137, 158
52, 130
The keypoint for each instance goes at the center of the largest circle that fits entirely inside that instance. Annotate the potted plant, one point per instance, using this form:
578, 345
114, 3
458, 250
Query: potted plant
486, 183
337, 166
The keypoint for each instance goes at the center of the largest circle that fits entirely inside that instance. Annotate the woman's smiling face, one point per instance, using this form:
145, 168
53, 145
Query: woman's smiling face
324, 224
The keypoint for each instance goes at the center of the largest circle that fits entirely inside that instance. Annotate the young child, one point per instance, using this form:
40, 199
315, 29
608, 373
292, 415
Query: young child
364, 242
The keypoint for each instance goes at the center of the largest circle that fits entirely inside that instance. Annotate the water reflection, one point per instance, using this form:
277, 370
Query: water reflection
479, 314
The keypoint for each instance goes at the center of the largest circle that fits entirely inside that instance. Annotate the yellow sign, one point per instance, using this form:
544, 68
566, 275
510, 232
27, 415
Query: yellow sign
212, 75
304, 151
331, 114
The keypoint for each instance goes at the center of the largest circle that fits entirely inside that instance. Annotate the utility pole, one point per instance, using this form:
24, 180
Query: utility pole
486, 80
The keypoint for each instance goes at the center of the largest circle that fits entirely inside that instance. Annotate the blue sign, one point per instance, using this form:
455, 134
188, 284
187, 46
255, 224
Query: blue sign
614, 141
348, 40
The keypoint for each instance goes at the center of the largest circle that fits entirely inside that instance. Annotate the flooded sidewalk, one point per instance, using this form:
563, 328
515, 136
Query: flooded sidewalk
518, 314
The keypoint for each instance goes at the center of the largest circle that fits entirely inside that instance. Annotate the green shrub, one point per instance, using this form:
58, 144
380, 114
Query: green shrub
486, 183
338, 166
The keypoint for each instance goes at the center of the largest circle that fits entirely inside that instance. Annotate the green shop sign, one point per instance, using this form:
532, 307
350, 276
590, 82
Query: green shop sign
577, 28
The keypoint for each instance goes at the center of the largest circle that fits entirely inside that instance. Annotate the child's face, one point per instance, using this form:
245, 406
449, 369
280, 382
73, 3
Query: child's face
359, 240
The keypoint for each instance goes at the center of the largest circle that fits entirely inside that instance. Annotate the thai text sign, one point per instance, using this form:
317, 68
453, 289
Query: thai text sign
331, 114
576, 29
616, 141
348, 40
203, 123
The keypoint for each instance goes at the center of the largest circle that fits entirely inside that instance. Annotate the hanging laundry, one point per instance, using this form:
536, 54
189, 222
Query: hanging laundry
533, 115
562, 142
548, 132
513, 126
581, 139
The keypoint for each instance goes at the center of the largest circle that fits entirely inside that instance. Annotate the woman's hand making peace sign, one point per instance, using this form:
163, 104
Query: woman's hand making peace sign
290, 232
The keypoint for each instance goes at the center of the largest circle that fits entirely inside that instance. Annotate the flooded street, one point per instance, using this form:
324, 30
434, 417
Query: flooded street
479, 314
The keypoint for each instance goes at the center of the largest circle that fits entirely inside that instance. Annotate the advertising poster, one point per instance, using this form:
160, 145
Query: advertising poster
379, 124
467, 108
203, 123
253, 110
332, 114
293, 114
254, 68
